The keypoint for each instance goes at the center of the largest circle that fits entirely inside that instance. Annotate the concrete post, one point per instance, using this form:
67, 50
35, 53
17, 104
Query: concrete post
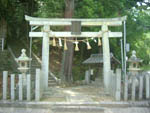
5, 81
12, 87
45, 55
37, 85
126, 88
20, 87
147, 87
141, 88
133, 88
106, 57
28, 87
118, 85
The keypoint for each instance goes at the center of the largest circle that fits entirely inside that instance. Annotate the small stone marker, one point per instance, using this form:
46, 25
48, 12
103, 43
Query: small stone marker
5, 81
12, 86
87, 77
20, 88
147, 87
37, 85
118, 85
28, 87
126, 88
133, 88
141, 87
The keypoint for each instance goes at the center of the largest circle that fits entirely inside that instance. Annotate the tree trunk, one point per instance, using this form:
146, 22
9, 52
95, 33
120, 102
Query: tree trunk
3, 31
3, 28
68, 54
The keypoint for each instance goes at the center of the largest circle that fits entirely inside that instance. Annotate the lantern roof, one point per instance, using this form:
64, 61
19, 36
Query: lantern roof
133, 58
23, 57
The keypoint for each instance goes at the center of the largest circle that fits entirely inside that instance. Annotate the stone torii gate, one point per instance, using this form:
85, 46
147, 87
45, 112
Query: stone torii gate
46, 33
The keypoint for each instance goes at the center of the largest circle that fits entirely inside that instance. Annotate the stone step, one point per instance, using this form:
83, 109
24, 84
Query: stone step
78, 109
51, 80
57, 108
34, 59
109, 104
35, 62
52, 84
50, 77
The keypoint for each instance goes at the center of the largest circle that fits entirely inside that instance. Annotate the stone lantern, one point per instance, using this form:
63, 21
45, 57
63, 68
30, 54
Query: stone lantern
23, 61
134, 63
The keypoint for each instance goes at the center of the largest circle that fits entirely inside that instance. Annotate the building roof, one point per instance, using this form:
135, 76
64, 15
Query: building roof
98, 58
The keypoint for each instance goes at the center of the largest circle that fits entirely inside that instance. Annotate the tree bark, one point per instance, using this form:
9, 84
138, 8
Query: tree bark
68, 54
3, 28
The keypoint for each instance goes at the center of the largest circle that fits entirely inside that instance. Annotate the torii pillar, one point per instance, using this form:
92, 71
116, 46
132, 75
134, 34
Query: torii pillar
106, 56
45, 55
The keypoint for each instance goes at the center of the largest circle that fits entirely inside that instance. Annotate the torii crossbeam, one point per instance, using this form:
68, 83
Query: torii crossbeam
46, 33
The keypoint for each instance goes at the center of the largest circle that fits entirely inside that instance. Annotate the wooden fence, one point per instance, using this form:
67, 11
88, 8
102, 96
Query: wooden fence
13, 88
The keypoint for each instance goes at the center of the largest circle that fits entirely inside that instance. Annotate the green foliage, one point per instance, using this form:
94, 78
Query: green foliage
145, 67
143, 49
98, 8
137, 33
50, 8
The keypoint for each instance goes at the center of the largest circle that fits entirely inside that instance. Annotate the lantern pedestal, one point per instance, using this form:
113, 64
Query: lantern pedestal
23, 61
134, 68
24, 78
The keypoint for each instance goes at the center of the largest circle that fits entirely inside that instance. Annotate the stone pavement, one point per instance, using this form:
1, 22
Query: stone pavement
93, 92
84, 107
23, 110
79, 110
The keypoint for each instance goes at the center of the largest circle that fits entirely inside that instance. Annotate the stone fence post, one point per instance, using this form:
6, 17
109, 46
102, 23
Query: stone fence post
20, 87
87, 76
12, 87
37, 85
118, 85
126, 88
141, 87
28, 87
147, 86
5, 82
